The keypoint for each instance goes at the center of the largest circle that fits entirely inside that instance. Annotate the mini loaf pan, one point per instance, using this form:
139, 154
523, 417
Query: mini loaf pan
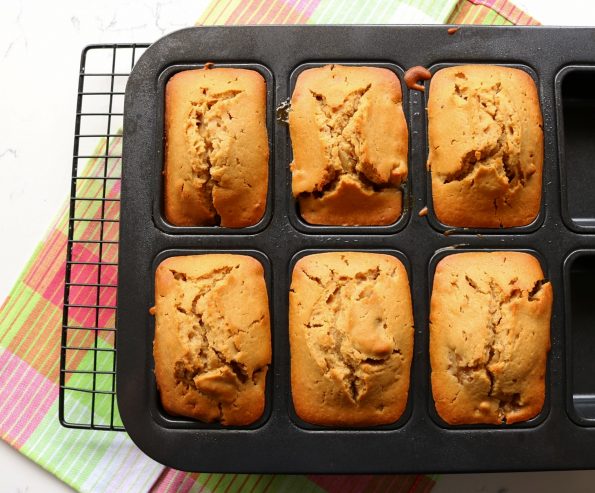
575, 106
536, 420
154, 403
407, 412
433, 220
579, 272
295, 217
159, 157
562, 436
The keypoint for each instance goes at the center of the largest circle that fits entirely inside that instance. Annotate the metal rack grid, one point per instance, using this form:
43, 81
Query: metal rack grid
88, 351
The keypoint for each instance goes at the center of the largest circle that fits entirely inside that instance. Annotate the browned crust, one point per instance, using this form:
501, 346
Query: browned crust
485, 146
212, 342
351, 338
342, 206
489, 337
349, 139
216, 151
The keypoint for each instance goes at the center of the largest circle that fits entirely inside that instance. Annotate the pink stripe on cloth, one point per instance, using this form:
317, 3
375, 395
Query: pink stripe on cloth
88, 274
174, 481
114, 193
485, 3
187, 485
170, 481
371, 483
309, 8
22, 414
54, 289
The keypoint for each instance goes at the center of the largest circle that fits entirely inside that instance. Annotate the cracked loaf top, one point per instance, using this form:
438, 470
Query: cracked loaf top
212, 337
216, 148
351, 338
485, 146
349, 139
489, 337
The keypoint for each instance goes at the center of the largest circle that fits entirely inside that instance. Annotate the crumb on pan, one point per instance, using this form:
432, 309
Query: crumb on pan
416, 74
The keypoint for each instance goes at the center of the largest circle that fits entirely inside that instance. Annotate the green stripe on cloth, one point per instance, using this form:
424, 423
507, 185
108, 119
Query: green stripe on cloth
254, 483
86, 460
381, 11
15, 312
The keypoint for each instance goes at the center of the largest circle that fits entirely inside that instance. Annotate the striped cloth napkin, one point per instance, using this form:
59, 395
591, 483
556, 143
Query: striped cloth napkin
30, 318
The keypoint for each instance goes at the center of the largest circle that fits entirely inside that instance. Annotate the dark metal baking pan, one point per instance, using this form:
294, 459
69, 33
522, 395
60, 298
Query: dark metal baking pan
556, 440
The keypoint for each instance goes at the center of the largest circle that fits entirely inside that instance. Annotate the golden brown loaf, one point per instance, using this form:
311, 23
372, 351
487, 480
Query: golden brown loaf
351, 337
485, 146
489, 337
212, 337
349, 139
216, 154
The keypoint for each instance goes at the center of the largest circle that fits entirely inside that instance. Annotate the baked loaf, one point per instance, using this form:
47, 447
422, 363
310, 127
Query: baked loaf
485, 146
216, 148
351, 337
349, 140
212, 342
489, 337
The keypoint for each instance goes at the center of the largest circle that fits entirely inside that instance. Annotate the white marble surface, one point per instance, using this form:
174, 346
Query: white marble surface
40, 45
560, 13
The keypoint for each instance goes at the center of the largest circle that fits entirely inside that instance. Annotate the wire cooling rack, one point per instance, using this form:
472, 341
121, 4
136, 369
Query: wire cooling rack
88, 352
